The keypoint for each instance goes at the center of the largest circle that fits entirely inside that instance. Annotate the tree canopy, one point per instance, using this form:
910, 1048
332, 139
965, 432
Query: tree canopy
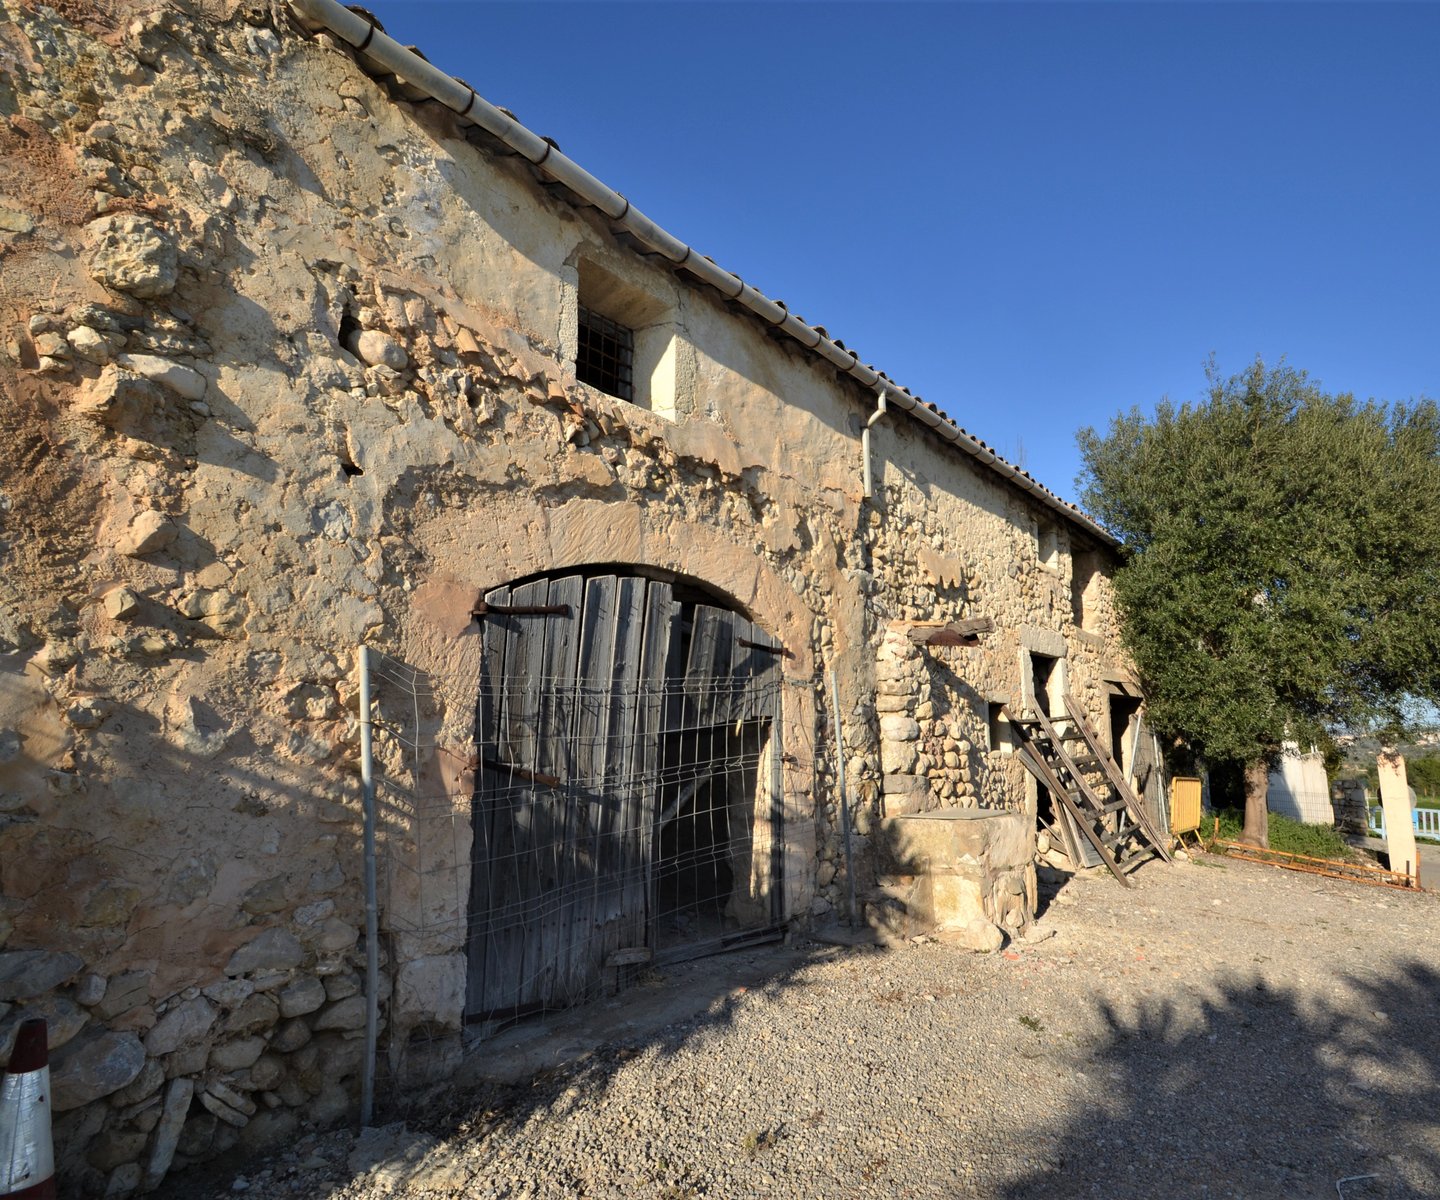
1281, 559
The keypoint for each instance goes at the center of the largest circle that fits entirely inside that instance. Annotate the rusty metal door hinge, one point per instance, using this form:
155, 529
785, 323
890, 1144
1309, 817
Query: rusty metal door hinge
499, 768
484, 609
780, 650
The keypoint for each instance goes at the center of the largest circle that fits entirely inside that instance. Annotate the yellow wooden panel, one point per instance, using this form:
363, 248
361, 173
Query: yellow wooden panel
1184, 804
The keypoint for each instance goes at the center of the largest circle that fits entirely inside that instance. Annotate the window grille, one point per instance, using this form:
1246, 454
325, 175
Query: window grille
606, 355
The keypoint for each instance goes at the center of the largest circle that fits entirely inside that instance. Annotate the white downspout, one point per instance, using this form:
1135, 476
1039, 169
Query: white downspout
880, 411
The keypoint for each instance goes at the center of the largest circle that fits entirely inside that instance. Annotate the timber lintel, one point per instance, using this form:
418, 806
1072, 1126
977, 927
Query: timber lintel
949, 633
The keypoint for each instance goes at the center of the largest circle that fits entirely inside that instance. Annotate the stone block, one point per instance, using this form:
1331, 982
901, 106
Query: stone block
291, 1036
189, 1061
978, 935
149, 531
133, 254
266, 1072
26, 973
124, 1180
432, 989
337, 987
237, 1055
268, 896
905, 794
185, 382
952, 837
150, 1080
898, 758
91, 1067
332, 935
957, 900
346, 1014
183, 1025
274, 950
260, 1011
229, 993
376, 349
899, 728
303, 996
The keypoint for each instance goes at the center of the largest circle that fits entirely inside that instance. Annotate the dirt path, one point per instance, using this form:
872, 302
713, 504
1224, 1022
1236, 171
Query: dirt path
1220, 1030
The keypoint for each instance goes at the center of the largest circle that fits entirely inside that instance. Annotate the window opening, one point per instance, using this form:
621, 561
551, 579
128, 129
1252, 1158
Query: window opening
606, 355
998, 728
1044, 679
1083, 589
1047, 544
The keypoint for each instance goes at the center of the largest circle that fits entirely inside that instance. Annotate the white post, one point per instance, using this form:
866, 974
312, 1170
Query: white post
1395, 803
372, 916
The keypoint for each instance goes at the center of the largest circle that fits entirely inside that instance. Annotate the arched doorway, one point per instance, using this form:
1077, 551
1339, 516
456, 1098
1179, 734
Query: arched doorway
627, 805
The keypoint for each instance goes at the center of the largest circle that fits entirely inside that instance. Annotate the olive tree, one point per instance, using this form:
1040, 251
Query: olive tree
1281, 563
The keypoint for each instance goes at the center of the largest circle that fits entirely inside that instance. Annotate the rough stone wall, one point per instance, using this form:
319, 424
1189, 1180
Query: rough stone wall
285, 369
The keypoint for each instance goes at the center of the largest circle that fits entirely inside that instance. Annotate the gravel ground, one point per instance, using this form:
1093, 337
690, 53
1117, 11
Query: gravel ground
1222, 1029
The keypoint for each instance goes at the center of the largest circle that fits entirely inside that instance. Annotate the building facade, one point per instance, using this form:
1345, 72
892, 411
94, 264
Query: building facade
296, 361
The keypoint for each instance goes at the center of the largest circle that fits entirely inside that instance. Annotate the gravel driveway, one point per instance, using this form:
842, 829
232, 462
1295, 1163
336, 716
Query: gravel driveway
1222, 1029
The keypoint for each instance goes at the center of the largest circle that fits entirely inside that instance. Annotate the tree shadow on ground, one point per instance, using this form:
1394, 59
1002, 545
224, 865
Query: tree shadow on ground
1256, 1091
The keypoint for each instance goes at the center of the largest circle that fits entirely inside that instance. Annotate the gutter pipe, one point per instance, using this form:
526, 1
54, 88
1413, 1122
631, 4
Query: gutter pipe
879, 412
390, 57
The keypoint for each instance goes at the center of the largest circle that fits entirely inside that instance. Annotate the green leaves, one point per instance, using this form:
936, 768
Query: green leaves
1281, 558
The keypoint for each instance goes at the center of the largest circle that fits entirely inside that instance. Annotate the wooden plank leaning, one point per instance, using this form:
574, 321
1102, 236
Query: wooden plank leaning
1091, 796
1038, 767
1117, 779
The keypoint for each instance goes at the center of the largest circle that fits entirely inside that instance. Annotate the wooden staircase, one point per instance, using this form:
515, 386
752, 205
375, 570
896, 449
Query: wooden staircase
1066, 757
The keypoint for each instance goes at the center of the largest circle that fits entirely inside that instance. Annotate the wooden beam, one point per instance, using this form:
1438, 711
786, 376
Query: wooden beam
949, 633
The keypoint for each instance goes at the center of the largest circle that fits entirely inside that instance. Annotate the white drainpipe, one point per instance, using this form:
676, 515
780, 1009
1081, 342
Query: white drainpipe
879, 412
389, 57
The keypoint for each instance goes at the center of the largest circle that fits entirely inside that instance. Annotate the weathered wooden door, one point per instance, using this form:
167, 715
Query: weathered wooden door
600, 698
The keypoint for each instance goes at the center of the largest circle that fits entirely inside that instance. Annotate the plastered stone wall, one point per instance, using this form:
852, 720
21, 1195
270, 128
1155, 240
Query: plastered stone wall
284, 368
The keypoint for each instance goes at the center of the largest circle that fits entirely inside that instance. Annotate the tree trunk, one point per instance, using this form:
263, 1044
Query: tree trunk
1257, 813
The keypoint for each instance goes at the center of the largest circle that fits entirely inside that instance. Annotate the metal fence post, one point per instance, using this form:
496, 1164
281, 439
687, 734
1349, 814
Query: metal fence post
372, 916
844, 799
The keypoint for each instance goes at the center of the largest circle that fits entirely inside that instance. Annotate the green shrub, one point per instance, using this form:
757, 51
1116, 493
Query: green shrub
1293, 837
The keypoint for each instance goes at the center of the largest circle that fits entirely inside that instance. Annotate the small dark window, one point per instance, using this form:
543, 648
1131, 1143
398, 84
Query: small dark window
607, 351
998, 730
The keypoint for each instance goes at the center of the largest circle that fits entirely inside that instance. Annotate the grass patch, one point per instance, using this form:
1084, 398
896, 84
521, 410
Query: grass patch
1293, 837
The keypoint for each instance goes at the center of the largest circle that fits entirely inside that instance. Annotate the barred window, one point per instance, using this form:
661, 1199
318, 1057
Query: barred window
606, 355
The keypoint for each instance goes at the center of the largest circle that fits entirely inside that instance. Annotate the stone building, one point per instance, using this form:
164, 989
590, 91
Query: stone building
296, 359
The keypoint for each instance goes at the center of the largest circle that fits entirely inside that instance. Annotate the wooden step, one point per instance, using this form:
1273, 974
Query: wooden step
1133, 860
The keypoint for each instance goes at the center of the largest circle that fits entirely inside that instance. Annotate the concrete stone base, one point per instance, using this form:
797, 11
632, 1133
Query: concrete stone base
954, 869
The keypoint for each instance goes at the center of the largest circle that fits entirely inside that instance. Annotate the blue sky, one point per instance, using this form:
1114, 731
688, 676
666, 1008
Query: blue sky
1032, 215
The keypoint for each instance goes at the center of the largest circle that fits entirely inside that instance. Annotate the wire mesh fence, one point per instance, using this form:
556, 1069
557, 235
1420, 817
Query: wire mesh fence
562, 834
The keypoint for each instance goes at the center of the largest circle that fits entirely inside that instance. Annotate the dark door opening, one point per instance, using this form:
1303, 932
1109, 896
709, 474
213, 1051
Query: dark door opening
1042, 672
1044, 681
1124, 715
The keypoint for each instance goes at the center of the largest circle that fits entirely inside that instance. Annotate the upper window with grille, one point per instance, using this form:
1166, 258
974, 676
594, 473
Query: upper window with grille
626, 340
605, 358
